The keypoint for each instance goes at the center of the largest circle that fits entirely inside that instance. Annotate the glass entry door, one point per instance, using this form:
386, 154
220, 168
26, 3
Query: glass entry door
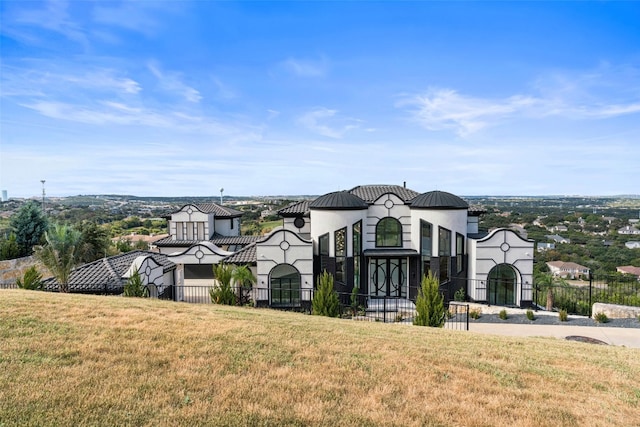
388, 277
502, 285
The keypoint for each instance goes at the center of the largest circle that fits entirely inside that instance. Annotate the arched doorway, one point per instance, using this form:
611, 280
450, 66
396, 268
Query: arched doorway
284, 281
502, 284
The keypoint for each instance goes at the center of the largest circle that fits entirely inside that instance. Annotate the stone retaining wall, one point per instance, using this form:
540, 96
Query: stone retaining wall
11, 269
614, 311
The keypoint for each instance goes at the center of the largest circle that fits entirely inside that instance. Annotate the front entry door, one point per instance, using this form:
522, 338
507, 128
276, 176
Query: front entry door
388, 277
502, 285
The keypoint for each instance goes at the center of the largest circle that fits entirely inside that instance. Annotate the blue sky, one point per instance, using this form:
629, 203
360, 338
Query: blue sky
262, 98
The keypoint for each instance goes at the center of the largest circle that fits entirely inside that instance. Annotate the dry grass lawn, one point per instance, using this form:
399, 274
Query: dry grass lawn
89, 360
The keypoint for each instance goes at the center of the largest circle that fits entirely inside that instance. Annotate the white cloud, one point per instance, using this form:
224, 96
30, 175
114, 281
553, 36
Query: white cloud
326, 122
172, 82
441, 109
305, 67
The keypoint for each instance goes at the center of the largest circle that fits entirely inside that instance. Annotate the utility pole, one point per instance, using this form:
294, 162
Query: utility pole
43, 208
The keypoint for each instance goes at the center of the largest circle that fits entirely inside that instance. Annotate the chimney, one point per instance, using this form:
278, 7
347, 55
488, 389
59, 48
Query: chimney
404, 184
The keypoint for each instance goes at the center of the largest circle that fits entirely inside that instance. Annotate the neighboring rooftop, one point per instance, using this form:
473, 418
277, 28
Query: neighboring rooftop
105, 275
339, 200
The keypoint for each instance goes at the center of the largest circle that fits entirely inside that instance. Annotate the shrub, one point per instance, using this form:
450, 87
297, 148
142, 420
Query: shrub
354, 300
459, 295
503, 314
530, 315
30, 280
475, 313
562, 315
134, 286
600, 317
222, 293
325, 298
430, 304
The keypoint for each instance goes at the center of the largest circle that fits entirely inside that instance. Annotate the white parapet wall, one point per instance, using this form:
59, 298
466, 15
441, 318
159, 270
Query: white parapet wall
614, 311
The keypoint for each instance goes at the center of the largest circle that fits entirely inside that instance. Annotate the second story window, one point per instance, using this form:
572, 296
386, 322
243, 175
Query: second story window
389, 232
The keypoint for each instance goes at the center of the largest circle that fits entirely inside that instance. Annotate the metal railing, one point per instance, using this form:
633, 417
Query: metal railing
578, 298
357, 307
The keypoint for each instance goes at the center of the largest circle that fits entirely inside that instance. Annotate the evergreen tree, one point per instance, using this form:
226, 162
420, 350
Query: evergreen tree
134, 286
325, 298
28, 225
9, 248
430, 303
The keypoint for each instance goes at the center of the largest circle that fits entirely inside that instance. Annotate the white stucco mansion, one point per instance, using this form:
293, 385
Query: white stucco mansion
379, 238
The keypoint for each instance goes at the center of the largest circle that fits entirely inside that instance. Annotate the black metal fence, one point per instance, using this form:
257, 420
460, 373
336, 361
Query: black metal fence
356, 307
578, 297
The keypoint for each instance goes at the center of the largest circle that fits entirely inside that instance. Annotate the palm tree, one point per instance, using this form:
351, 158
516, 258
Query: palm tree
244, 280
547, 281
58, 253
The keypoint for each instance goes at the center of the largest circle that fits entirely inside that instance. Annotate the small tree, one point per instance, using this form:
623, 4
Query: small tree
31, 279
134, 286
430, 303
58, 254
548, 282
325, 299
354, 300
9, 248
222, 292
94, 242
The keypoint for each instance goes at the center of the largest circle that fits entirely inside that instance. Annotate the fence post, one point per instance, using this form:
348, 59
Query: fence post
590, 292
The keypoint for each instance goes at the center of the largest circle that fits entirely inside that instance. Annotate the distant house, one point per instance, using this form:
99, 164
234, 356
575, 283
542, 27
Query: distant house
109, 275
629, 269
542, 246
559, 228
632, 244
557, 238
569, 270
608, 219
628, 229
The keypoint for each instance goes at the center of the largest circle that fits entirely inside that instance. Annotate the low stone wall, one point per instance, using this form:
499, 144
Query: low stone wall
11, 269
614, 311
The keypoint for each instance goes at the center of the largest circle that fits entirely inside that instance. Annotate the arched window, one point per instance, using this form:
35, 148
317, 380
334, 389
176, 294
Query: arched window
389, 232
285, 285
502, 284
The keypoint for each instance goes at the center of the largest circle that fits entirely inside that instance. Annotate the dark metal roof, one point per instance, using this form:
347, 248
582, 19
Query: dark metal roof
216, 240
295, 209
389, 252
339, 200
105, 275
246, 255
371, 193
233, 240
438, 200
214, 208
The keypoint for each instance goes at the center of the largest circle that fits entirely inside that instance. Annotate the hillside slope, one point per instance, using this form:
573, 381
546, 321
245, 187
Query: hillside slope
92, 360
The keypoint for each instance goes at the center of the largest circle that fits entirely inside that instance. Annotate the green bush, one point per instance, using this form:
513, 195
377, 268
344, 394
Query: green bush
600, 317
30, 280
530, 315
562, 315
430, 304
459, 295
475, 313
325, 298
503, 314
134, 286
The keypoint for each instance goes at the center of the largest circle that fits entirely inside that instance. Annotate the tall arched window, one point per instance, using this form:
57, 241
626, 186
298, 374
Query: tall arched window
389, 232
285, 285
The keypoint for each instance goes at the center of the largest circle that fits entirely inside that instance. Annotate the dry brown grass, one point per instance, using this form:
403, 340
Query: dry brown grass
90, 360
